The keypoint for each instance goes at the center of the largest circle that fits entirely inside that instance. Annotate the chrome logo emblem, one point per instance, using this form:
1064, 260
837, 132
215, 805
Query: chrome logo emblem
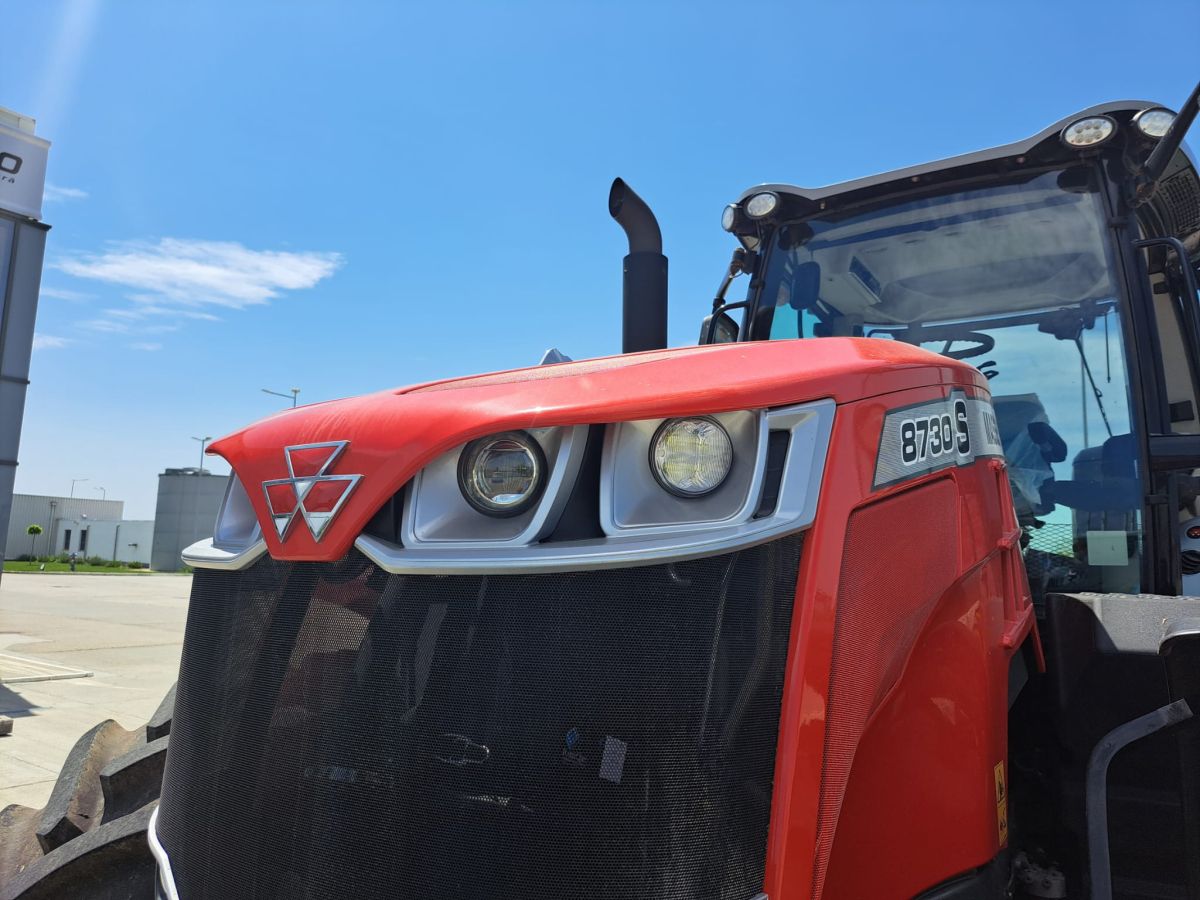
310, 492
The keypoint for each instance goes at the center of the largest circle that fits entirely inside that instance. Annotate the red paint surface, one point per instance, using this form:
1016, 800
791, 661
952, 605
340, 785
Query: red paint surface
919, 804
393, 434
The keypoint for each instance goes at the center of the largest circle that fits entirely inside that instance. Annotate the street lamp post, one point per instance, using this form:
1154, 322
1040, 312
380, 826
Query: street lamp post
295, 392
203, 441
75, 481
103, 492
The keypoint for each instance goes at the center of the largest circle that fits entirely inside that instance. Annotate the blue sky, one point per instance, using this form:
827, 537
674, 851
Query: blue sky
349, 196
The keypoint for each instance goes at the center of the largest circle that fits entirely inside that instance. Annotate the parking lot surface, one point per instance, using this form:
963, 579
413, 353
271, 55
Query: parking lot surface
126, 630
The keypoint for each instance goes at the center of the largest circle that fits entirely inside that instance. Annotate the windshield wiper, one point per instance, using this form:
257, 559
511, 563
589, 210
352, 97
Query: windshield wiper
1095, 389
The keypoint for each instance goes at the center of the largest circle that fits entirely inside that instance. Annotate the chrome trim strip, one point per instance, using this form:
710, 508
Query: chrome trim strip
206, 555
575, 556
804, 468
165, 876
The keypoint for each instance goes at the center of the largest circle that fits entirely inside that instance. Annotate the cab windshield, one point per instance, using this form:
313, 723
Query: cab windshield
1016, 279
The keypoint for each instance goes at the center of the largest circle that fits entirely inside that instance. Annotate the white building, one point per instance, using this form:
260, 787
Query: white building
77, 525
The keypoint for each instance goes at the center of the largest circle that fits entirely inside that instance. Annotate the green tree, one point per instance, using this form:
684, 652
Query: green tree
33, 531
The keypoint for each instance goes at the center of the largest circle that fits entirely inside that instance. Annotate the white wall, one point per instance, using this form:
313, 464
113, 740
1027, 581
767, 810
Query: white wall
127, 541
30, 509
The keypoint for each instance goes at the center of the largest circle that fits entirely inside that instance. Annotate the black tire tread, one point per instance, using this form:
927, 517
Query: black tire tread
89, 841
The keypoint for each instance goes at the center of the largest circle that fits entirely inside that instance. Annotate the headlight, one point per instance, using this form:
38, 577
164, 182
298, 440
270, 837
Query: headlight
762, 204
691, 457
502, 475
729, 217
1154, 123
1089, 132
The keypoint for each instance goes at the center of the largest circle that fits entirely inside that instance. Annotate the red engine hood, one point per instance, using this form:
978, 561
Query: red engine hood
393, 434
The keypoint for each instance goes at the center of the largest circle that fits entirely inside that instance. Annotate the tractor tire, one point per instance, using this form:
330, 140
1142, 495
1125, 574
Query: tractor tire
89, 841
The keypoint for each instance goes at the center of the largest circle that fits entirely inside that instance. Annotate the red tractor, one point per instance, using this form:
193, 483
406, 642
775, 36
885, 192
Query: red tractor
899, 612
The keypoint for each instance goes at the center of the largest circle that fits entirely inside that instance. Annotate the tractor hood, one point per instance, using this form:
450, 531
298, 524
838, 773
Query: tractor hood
387, 437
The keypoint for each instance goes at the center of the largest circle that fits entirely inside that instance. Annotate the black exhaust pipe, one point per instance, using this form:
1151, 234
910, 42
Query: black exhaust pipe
644, 289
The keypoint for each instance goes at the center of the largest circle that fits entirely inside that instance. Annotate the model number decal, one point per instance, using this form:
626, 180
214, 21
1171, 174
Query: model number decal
955, 430
926, 438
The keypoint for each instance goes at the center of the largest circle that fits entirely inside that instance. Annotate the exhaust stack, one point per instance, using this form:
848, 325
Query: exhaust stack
644, 288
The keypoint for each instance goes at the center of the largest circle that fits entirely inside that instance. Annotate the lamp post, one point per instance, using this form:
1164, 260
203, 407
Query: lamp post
75, 481
295, 392
203, 442
103, 492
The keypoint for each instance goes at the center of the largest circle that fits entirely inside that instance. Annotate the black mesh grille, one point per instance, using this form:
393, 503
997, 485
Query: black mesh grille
342, 732
1183, 206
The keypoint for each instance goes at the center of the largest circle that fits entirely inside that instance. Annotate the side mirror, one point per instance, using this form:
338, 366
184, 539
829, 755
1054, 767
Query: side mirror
719, 329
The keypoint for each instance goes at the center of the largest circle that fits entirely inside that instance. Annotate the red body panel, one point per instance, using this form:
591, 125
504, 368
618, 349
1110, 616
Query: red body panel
919, 805
393, 434
924, 705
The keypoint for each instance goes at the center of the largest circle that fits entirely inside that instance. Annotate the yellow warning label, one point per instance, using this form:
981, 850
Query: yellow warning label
1001, 803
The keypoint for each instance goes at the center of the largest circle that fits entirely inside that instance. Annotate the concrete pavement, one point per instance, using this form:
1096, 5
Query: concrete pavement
125, 629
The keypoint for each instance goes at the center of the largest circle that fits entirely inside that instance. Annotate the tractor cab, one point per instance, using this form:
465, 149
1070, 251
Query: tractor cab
1054, 267
1064, 268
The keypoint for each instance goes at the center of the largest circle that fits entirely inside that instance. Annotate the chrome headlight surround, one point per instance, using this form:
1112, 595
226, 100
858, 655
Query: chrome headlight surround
438, 514
744, 522
634, 500
633, 504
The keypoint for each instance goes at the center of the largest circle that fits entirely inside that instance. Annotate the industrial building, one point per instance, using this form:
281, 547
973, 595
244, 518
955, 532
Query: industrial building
188, 502
77, 525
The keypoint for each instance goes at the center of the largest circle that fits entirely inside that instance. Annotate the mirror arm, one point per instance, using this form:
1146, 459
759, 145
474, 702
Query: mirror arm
743, 261
719, 309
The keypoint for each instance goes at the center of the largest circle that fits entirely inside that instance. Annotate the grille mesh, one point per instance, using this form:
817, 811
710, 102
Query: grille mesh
342, 732
1180, 193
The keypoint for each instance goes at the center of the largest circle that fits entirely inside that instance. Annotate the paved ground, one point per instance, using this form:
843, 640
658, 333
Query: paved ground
126, 629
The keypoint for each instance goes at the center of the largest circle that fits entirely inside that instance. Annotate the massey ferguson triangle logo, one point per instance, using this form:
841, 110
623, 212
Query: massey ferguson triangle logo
310, 492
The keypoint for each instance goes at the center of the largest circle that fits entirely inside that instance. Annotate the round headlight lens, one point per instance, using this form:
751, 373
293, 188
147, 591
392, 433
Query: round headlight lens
502, 475
762, 204
1089, 132
1154, 123
728, 217
691, 457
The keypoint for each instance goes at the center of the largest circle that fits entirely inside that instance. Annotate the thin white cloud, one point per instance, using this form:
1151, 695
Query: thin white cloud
191, 273
110, 326
148, 346
63, 294
49, 341
57, 194
105, 325
145, 310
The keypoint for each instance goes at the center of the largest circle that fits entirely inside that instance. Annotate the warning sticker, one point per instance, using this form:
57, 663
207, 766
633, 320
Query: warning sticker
1001, 803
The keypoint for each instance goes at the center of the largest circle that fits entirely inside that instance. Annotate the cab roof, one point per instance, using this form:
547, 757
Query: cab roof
1042, 148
